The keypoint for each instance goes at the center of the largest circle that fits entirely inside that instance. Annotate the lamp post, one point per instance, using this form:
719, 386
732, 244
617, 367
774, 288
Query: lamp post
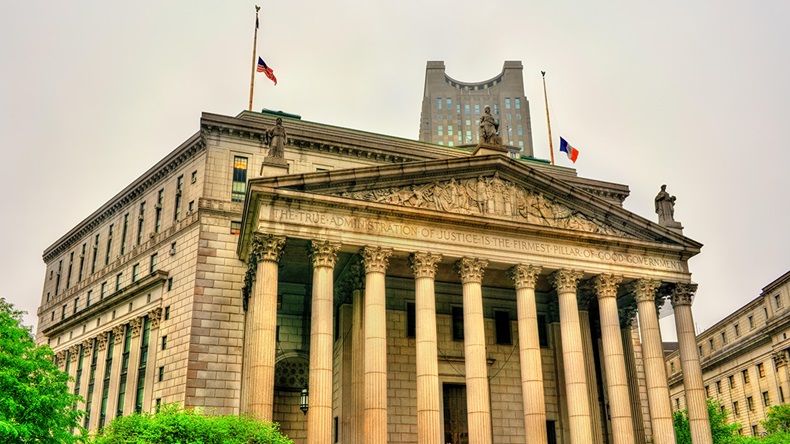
304, 399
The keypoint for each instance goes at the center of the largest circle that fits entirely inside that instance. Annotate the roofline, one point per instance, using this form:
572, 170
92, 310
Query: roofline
776, 283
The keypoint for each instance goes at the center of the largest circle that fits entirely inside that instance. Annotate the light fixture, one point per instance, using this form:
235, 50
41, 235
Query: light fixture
304, 399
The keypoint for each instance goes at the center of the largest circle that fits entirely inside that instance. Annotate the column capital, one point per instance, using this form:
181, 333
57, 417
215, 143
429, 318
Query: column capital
267, 247
118, 333
606, 285
584, 297
136, 325
376, 259
155, 316
645, 289
627, 313
780, 358
74, 352
424, 265
471, 269
566, 281
682, 294
524, 276
323, 253
102, 339
61, 357
87, 346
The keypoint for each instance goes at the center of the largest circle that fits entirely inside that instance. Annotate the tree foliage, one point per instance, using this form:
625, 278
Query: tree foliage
35, 403
777, 419
721, 431
173, 425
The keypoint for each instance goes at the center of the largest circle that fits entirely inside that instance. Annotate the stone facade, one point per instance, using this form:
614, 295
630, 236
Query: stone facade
743, 359
422, 294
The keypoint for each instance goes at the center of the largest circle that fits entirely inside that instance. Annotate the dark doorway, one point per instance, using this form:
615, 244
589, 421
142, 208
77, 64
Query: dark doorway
551, 432
456, 428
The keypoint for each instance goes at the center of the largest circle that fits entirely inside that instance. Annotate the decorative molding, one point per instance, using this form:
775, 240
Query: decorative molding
102, 339
524, 276
566, 281
61, 358
606, 285
118, 333
155, 316
780, 358
375, 259
471, 270
87, 346
136, 325
323, 253
644, 289
424, 265
490, 196
264, 247
292, 374
74, 353
683, 294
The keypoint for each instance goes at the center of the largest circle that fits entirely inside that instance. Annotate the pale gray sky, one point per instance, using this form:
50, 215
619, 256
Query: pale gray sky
691, 94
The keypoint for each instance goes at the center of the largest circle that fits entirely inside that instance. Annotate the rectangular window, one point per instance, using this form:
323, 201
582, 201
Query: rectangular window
778, 301
761, 370
177, 210
158, 222
164, 342
161, 373
154, 258
63, 315
169, 284
519, 130
127, 348
750, 403
76, 304
57, 278
449, 103
91, 385
477, 110
496, 108
194, 176
191, 207
439, 130
718, 387
411, 320
754, 430
502, 323
468, 136
507, 103
68, 275
731, 380
710, 343
118, 278
677, 403
124, 232
707, 391
106, 380
745, 376
109, 246
439, 103
735, 408
138, 403
88, 298
95, 253
751, 322
766, 399
458, 323
135, 272
466, 109
518, 103
700, 350
449, 130
723, 337
235, 228
239, 187
140, 223
737, 330
167, 313
82, 262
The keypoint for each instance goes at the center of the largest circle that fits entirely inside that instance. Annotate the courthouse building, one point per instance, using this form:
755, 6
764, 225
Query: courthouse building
411, 292
744, 359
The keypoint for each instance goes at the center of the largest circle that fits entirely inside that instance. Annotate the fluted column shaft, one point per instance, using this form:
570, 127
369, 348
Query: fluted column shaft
118, 335
653, 357
132, 372
319, 416
74, 356
533, 398
87, 347
357, 367
376, 260
478, 405
693, 385
260, 328
429, 427
565, 281
614, 359
98, 381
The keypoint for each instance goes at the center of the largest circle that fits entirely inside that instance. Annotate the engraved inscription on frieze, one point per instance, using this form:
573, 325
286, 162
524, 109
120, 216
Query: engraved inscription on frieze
490, 196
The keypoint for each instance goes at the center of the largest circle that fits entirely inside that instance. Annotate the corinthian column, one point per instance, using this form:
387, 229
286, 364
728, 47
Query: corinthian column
357, 355
780, 363
478, 405
260, 328
524, 277
98, 382
653, 356
565, 281
319, 416
614, 359
376, 260
429, 428
690, 365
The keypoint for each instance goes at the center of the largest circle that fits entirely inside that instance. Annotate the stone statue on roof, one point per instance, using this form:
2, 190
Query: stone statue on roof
488, 128
665, 208
277, 138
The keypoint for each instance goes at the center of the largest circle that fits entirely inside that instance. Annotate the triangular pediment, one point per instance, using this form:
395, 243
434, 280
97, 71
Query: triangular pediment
484, 187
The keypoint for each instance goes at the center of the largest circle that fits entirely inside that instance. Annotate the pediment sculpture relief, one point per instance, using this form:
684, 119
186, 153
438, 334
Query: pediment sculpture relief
489, 196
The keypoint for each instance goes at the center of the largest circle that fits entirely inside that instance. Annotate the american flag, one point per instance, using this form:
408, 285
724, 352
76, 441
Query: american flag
262, 67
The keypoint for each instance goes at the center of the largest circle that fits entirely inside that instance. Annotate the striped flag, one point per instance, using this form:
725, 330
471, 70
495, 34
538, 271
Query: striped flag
262, 67
568, 149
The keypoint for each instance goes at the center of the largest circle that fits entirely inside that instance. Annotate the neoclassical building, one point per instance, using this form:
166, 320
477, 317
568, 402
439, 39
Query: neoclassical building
744, 359
412, 292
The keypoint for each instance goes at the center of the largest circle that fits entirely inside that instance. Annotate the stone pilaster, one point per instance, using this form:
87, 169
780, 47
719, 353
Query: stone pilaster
614, 359
151, 368
478, 405
357, 355
376, 260
653, 357
87, 354
118, 334
693, 385
429, 426
319, 416
61, 359
98, 382
260, 327
565, 282
780, 362
136, 325
74, 354
533, 397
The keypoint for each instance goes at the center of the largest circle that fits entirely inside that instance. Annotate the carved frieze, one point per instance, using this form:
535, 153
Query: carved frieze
375, 259
490, 196
471, 269
323, 254
424, 265
524, 276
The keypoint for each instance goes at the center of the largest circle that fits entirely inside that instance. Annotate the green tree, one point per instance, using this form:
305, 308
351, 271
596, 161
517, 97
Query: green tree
173, 425
35, 403
777, 420
721, 431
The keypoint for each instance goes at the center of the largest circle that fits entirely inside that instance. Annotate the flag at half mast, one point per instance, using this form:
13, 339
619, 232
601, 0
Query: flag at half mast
568, 149
264, 68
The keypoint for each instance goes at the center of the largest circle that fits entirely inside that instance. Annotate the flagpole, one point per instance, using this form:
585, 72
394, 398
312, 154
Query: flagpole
548, 120
254, 52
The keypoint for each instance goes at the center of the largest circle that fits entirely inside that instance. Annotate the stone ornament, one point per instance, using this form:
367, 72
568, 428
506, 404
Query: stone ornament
118, 333
471, 270
74, 353
645, 289
606, 285
352, 279
780, 358
375, 259
683, 294
87, 346
489, 128
524, 276
490, 196
102, 339
61, 358
323, 254
424, 265
267, 247
155, 316
566, 281
136, 325
292, 374
665, 207
277, 138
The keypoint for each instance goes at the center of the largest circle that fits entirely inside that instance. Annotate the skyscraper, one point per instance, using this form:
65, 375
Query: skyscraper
451, 109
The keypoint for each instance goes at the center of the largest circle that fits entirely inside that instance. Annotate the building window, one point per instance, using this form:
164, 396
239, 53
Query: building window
439, 103
118, 278
103, 290
731, 380
239, 179
710, 342
543, 331
123, 233
164, 342
507, 103
167, 312
194, 177
161, 373
502, 323
76, 304
723, 337
677, 403
700, 350
761, 370
177, 210
754, 430
781, 395
467, 109
518, 103
88, 298
82, 262
750, 403
154, 258
57, 280
135, 272
519, 130
235, 228
169, 284
109, 246
477, 109
751, 322
737, 331
745, 375
439, 131
778, 301
449, 130
672, 367
63, 315
411, 320
766, 399
718, 387
707, 391
191, 206
458, 323
735, 408
140, 223
68, 275
160, 196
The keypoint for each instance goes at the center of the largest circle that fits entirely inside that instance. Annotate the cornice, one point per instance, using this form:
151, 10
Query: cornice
187, 150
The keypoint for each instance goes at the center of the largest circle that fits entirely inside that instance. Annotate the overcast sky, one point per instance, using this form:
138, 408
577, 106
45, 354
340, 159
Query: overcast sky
691, 94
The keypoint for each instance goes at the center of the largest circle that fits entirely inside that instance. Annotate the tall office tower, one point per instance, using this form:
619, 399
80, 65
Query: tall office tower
451, 109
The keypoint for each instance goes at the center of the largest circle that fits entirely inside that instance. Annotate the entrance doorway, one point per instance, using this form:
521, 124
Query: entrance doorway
456, 427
